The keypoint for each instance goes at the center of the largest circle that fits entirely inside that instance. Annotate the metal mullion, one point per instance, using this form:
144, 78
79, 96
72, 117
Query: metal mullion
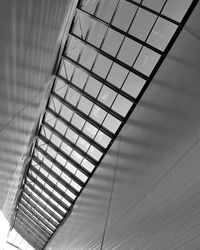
51, 213
154, 12
84, 116
76, 130
65, 170
122, 32
31, 228
112, 58
50, 225
55, 198
34, 190
18, 228
58, 178
100, 79
72, 145
48, 181
33, 223
91, 98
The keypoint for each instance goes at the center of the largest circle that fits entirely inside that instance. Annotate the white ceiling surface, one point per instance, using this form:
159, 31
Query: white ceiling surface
155, 202
28, 46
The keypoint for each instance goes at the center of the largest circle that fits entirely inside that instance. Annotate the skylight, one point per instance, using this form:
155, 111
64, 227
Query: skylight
112, 52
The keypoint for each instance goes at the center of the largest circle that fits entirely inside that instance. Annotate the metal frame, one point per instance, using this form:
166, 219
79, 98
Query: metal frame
43, 227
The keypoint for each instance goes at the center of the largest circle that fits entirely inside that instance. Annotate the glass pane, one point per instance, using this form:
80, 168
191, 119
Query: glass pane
90, 130
71, 135
81, 176
65, 148
142, 24
66, 69
82, 144
95, 153
102, 139
107, 9
87, 165
79, 78
72, 96
60, 127
98, 114
107, 96
97, 34
56, 140
176, 9
102, 66
161, 34
82, 25
129, 51
88, 57
154, 5
133, 85
89, 5
146, 61
74, 48
61, 160
66, 113
76, 156
75, 185
112, 42
78, 121
50, 119
60, 87
71, 168
65, 178
124, 15
93, 87
111, 123
121, 105
85, 105
117, 75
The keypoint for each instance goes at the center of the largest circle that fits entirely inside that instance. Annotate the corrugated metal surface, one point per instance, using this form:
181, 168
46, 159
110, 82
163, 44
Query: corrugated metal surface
29, 33
154, 167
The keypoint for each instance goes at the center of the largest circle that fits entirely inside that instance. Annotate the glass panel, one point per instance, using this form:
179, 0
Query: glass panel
107, 96
88, 57
85, 105
82, 144
76, 186
56, 170
142, 24
111, 123
65, 178
74, 48
117, 75
124, 15
65, 148
55, 105
176, 9
154, 5
56, 140
82, 25
93, 87
102, 66
72, 96
66, 69
90, 130
76, 156
95, 153
66, 113
61, 160
78, 121
71, 168
81, 176
60, 87
97, 34
129, 51
61, 127
70, 194
102, 139
133, 85
50, 119
146, 61
89, 5
79, 78
121, 105
112, 42
71, 135
98, 114
106, 9
161, 34
87, 165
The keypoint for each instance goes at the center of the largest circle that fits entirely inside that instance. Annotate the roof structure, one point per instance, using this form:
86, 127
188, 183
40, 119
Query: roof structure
112, 52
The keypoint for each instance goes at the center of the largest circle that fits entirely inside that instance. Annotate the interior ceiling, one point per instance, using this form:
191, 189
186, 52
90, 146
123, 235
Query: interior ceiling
29, 32
145, 193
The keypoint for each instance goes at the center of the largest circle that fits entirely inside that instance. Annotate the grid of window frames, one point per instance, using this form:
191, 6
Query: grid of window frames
111, 51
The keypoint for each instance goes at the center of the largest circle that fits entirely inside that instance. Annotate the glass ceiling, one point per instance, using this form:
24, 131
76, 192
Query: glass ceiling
112, 52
